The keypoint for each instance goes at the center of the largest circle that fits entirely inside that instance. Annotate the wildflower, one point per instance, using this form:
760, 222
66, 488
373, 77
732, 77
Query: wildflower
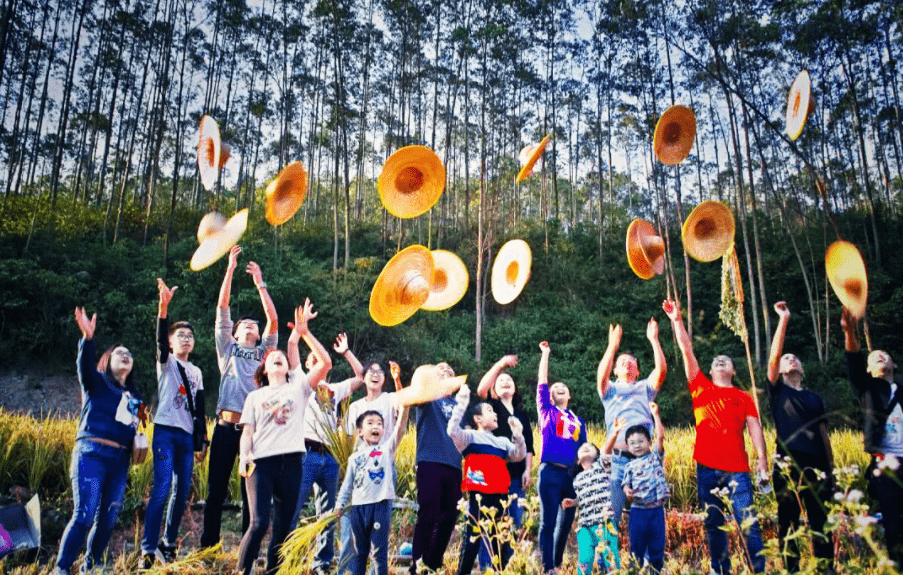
733, 484
819, 474
865, 520
889, 462
838, 496
854, 496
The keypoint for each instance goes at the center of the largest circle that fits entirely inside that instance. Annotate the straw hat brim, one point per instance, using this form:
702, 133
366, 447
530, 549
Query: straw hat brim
527, 168
798, 105
511, 271
286, 193
390, 303
208, 152
846, 272
218, 244
674, 135
708, 231
411, 182
645, 265
449, 282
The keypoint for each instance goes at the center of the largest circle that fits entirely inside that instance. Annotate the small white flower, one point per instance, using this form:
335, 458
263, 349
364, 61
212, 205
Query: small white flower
733, 484
865, 520
821, 475
838, 496
854, 496
889, 462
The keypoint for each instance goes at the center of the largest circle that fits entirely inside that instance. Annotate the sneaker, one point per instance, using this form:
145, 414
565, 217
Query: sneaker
166, 553
148, 560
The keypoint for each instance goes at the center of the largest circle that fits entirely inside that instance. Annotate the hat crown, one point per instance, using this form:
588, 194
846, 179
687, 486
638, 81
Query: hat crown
409, 180
415, 288
210, 224
511, 273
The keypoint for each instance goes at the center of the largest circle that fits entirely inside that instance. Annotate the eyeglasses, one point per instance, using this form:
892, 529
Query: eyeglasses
185, 336
123, 352
376, 371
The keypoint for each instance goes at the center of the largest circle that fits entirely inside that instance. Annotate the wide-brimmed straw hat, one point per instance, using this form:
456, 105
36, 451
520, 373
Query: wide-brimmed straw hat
449, 282
209, 151
799, 105
286, 193
645, 249
217, 236
412, 180
708, 231
528, 157
402, 287
225, 152
511, 271
674, 135
846, 272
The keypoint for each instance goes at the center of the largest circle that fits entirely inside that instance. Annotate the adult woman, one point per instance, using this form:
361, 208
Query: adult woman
270, 454
562, 435
111, 406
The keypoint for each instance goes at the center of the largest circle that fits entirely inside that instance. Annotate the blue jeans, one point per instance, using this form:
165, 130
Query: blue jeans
740, 496
370, 524
647, 536
99, 473
320, 469
517, 515
618, 499
173, 453
347, 558
555, 484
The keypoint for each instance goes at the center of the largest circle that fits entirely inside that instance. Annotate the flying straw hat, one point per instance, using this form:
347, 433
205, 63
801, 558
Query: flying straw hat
846, 272
225, 152
402, 287
528, 157
799, 104
645, 249
217, 236
674, 134
412, 180
708, 231
449, 282
286, 193
511, 271
209, 161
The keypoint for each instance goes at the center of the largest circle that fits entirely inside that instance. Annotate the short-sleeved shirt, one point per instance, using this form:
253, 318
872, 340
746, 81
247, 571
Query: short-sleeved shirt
628, 401
593, 488
321, 409
172, 401
433, 443
277, 414
384, 403
646, 477
515, 468
720, 414
798, 415
370, 477
237, 364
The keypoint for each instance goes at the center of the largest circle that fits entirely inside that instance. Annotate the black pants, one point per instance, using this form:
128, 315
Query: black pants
474, 536
888, 490
438, 492
814, 495
223, 451
276, 479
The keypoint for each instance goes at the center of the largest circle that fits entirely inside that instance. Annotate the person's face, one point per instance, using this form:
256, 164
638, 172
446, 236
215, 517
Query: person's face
371, 429
587, 453
121, 360
247, 333
374, 377
560, 393
182, 341
791, 364
626, 368
880, 363
489, 420
276, 366
638, 445
723, 365
445, 370
504, 386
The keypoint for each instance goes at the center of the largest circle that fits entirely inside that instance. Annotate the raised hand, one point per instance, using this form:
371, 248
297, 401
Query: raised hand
87, 326
847, 321
544, 348
618, 424
303, 314
652, 329
233, 258
255, 272
395, 371
165, 293
341, 344
782, 309
615, 331
653, 407
671, 309
517, 428
509, 361
463, 395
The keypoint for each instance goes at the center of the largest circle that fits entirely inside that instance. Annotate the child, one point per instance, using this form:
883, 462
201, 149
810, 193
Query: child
593, 487
369, 484
485, 475
644, 484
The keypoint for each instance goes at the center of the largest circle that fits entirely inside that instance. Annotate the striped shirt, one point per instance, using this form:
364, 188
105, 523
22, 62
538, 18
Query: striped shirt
593, 488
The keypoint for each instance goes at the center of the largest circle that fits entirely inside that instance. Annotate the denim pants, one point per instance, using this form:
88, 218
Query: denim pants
555, 484
173, 453
223, 451
647, 536
491, 536
618, 499
370, 524
588, 543
515, 511
740, 496
99, 473
323, 470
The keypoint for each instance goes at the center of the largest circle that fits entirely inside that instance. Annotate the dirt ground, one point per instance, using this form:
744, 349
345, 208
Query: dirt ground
39, 393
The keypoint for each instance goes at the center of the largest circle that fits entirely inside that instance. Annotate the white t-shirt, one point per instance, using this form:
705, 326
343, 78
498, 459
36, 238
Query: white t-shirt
370, 476
277, 414
893, 429
316, 419
385, 404
172, 403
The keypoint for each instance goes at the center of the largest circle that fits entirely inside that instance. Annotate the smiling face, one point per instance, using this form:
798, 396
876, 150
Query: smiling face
626, 368
276, 367
790, 364
587, 453
247, 333
121, 361
445, 370
488, 420
371, 429
504, 386
880, 364
638, 445
181, 341
374, 378
722, 368
561, 395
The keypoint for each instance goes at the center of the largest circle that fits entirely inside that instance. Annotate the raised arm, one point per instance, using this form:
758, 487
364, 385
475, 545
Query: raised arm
691, 366
488, 381
401, 424
777, 344
87, 354
543, 398
269, 308
754, 428
341, 347
612, 433
225, 290
303, 314
848, 323
657, 377
427, 385
460, 437
603, 372
659, 428
163, 320
517, 435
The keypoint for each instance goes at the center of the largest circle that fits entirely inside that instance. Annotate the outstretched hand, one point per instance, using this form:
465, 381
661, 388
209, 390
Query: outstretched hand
463, 395
619, 424
303, 314
544, 348
256, 273
671, 309
395, 372
568, 502
165, 293
847, 320
233, 258
517, 428
782, 309
341, 344
652, 329
87, 326
509, 361
615, 331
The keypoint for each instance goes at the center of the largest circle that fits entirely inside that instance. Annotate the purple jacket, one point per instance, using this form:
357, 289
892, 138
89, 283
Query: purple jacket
562, 431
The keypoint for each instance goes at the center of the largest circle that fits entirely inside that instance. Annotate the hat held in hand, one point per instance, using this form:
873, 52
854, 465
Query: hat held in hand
412, 180
217, 236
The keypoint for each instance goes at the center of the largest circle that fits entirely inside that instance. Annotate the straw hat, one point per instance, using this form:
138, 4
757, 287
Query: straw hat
209, 161
449, 282
412, 180
846, 272
225, 152
528, 157
708, 232
286, 193
799, 105
645, 249
217, 236
674, 134
402, 287
511, 271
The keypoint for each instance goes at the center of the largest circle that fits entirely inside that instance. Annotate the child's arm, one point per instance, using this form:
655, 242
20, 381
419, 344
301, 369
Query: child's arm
659, 428
401, 423
460, 437
612, 437
568, 502
345, 492
626, 482
520, 445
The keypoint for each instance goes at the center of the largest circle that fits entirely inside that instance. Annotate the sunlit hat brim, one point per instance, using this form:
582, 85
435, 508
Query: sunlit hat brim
846, 273
390, 302
286, 193
644, 260
708, 231
218, 244
411, 182
449, 282
511, 271
527, 168
674, 135
208, 152
798, 105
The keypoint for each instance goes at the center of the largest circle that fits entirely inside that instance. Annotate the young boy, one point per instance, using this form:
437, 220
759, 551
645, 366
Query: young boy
593, 485
370, 486
645, 485
485, 475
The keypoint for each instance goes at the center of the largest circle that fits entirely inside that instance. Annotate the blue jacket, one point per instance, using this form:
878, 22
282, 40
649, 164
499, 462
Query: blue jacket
109, 411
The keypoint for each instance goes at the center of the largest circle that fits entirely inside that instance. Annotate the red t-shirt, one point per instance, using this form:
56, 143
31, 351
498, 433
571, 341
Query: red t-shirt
720, 414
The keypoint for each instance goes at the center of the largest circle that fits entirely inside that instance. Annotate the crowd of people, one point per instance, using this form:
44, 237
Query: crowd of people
278, 416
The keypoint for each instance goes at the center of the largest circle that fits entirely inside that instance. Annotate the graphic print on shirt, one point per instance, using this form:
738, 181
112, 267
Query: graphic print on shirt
377, 474
476, 477
448, 406
568, 426
239, 352
127, 410
278, 411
